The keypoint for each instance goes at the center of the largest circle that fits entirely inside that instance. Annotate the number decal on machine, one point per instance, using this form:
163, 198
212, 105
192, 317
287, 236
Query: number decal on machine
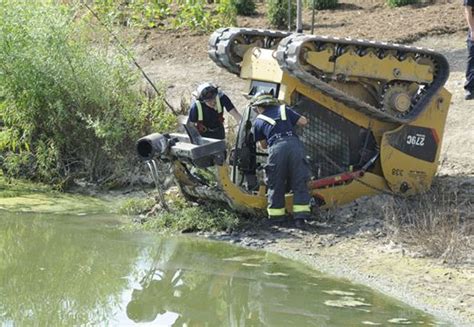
397, 172
418, 139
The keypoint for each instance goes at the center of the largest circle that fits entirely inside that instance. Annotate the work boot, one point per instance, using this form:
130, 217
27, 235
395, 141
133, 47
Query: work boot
276, 220
469, 95
300, 223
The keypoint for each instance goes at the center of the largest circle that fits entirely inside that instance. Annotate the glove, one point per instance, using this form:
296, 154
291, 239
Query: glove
201, 128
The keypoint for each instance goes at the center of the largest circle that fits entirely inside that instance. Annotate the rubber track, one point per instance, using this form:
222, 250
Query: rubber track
220, 44
288, 54
289, 51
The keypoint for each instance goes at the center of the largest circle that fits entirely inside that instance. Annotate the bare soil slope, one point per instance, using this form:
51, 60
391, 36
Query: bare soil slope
353, 244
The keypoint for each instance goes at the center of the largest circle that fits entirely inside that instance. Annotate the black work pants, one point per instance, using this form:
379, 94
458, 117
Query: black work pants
469, 85
287, 166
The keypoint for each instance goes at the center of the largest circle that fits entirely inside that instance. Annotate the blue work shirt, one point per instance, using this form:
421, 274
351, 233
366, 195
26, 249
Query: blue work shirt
268, 132
211, 119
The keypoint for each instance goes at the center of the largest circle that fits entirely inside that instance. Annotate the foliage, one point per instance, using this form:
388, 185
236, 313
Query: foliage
321, 4
245, 7
400, 3
191, 14
182, 216
190, 219
277, 13
227, 13
70, 108
195, 219
134, 206
194, 16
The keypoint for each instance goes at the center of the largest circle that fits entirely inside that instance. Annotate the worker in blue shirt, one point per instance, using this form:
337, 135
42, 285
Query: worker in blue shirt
207, 113
287, 163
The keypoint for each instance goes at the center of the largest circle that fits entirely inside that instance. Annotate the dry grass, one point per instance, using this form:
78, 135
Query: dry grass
437, 224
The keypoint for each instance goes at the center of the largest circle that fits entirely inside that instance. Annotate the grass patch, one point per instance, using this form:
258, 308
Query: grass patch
25, 196
184, 216
438, 224
193, 219
136, 206
12, 187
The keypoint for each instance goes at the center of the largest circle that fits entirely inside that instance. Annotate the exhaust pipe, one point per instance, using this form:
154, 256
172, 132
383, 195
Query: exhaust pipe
152, 145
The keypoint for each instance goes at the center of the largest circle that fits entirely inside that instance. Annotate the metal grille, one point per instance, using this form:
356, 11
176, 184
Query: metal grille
327, 139
326, 146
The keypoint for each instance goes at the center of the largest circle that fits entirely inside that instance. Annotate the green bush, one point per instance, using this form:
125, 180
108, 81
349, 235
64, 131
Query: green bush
195, 16
321, 4
192, 219
400, 3
189, 14
227, 13
245, 7
71, 107
277, 13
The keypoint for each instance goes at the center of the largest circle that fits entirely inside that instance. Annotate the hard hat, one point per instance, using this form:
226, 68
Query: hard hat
263, 99
206, 91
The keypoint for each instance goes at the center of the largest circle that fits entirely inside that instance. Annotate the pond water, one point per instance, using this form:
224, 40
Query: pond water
81, 269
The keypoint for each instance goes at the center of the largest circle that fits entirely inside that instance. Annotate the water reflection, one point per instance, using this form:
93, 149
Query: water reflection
81, 270
207, 284
211, 290
60, 274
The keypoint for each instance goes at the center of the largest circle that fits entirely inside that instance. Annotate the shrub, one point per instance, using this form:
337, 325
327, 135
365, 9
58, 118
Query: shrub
322, 4
227, 13
400, 3
71, 107
245, 7
184, 218
193, 15
278, 13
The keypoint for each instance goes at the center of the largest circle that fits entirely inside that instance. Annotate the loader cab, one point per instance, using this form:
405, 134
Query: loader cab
264, 87
333, 144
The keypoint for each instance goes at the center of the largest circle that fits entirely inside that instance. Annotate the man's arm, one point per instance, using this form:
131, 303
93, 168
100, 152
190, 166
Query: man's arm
193, 116
225, 101
296, 118
237, 116
302, 121
263, 144
469, 19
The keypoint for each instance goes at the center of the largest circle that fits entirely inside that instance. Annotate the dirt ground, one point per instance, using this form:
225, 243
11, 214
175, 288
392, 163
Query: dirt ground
353, 245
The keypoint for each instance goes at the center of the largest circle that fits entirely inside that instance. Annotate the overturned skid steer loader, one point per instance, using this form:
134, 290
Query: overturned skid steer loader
376, 113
